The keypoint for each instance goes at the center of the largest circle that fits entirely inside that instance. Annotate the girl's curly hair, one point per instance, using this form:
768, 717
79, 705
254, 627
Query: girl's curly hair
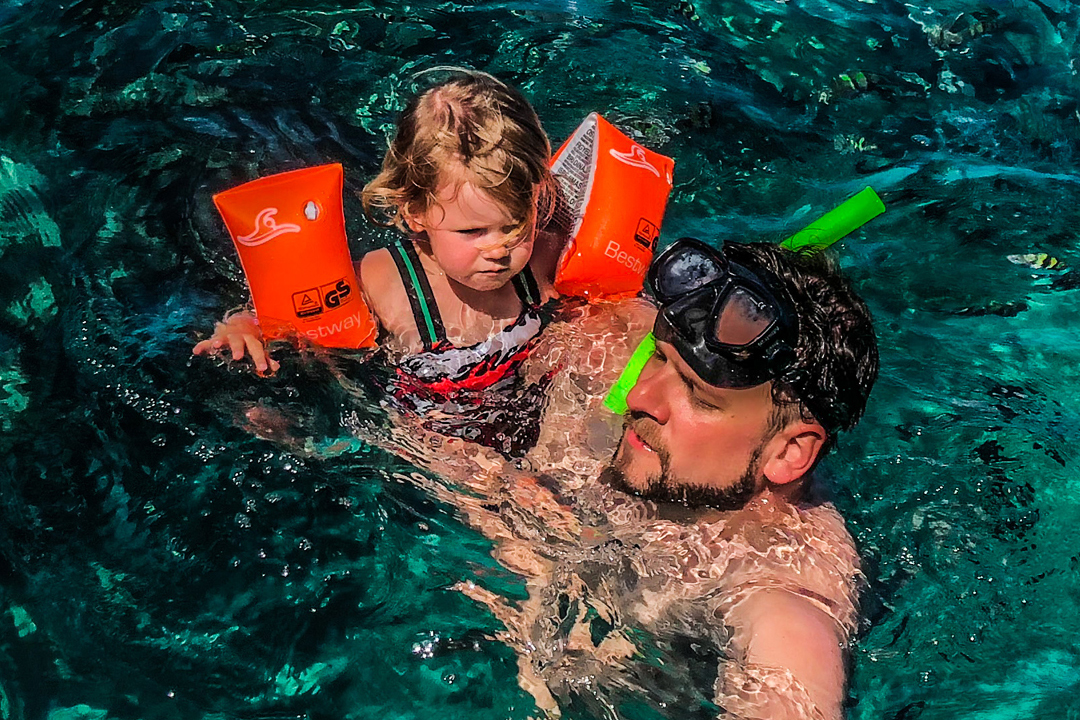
472, 128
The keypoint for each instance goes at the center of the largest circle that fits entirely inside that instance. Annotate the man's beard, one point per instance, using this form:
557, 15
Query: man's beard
666, 488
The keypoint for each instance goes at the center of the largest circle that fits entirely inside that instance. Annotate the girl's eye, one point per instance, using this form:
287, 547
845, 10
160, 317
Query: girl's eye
473, 232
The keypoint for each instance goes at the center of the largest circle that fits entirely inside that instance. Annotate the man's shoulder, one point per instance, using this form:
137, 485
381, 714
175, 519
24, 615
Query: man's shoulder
804, 550
814, 525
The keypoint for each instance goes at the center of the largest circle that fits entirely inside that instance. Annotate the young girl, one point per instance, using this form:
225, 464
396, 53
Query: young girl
467, 175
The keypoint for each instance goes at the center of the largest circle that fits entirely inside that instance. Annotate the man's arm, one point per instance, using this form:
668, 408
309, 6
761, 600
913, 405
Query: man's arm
778, 632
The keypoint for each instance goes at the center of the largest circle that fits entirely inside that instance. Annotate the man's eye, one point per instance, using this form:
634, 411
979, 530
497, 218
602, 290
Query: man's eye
700, 397
701, 402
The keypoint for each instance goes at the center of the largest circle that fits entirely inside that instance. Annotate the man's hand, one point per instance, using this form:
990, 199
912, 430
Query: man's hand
240, 334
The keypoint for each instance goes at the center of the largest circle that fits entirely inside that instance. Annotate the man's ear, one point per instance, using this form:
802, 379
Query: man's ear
792, 452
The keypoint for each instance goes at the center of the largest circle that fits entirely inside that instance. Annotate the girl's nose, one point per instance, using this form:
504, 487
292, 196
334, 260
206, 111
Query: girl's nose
496, 252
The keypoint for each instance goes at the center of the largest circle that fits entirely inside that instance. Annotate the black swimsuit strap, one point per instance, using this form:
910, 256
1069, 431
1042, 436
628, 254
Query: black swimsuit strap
527, 289
424, 308
421, 299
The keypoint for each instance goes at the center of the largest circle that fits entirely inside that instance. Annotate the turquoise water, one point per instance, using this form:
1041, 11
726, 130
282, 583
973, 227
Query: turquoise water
157, 559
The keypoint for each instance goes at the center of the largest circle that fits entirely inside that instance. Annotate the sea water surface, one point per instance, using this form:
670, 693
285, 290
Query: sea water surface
161, 557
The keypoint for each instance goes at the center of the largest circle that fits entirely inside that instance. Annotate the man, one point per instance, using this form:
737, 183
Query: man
761, 357
703, 545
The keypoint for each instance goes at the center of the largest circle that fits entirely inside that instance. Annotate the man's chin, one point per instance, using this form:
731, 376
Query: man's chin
622, 474
661, 489
615, 478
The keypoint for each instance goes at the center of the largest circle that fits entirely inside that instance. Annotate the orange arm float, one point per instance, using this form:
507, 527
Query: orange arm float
290, 232
616, 191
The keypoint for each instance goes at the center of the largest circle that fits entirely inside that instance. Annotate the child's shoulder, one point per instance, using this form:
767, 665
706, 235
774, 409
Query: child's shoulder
378, 260
385, 292
378, 275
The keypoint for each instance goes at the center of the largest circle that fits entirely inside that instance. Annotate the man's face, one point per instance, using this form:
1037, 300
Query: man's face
690, 442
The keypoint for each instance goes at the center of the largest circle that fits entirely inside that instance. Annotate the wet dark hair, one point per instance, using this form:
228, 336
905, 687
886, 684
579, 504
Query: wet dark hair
836, 358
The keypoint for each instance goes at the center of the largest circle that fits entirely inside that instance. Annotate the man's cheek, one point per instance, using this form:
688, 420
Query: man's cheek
637, 470
622, 455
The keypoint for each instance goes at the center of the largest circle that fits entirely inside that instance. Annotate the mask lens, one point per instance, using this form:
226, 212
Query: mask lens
743, 318
685, 270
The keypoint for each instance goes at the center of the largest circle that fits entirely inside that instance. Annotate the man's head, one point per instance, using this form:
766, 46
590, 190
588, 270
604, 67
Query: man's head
762, 356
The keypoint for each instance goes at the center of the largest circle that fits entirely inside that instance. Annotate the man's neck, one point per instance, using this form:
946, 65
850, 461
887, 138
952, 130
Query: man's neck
793, 492
684, 515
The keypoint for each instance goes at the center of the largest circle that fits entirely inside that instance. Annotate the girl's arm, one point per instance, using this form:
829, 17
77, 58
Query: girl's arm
239, 333
384, 292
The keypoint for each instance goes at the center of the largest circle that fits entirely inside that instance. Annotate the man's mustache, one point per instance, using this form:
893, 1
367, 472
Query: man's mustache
647, 429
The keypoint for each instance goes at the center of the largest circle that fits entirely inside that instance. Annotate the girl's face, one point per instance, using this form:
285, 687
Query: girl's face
469, 236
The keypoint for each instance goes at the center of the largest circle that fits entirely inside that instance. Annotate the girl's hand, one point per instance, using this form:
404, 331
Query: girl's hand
239, 333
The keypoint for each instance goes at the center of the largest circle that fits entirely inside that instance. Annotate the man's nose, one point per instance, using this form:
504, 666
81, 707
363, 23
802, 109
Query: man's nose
651, 394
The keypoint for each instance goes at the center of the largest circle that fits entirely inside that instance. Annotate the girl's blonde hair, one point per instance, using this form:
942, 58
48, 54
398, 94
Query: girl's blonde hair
471, 127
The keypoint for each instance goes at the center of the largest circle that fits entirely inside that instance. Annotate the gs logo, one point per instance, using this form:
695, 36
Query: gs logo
315, 301
336, 294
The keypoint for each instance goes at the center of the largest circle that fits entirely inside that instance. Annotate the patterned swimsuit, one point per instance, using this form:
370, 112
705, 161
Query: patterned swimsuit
473, 392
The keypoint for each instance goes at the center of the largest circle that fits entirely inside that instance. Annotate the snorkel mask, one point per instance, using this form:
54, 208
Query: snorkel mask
727, 322
733, 326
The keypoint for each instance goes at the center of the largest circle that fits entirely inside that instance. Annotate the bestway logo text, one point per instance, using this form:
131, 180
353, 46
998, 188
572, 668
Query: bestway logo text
325, 331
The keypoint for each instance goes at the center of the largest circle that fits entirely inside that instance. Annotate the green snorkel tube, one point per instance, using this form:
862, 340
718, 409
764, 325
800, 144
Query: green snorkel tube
835, 224
616, 397
815, 237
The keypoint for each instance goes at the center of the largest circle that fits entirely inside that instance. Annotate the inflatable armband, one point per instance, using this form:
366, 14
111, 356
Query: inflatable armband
290, 232
616, 191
